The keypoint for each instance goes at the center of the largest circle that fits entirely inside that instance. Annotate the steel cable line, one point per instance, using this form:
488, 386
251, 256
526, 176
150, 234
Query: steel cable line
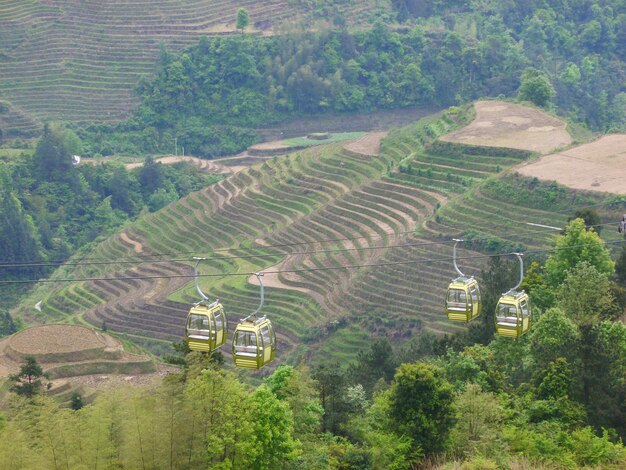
300, 270
271, 255
146, 258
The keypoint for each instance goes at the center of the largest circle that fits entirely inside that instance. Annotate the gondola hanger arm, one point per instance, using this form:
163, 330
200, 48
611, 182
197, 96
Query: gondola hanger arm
259, 276
521, 270
195, 273
456, 266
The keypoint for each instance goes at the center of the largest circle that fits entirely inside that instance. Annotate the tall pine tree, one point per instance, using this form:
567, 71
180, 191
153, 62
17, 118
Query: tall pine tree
19, 239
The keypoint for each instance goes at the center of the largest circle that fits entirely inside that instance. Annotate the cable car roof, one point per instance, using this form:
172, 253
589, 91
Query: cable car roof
514, 294
257, 322
202, 307
464, 279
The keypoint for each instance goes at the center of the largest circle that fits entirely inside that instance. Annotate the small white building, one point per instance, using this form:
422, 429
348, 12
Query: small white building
75, 159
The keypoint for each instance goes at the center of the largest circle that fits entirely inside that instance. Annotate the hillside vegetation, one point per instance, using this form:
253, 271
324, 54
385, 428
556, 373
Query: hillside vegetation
416, 183
541, 400
213, 93
279, 201
354, 238
96, 51
538, 402
50, 208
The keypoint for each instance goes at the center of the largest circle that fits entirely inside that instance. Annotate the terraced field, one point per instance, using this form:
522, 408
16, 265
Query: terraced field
72, 355
318, 193
404, 203
80, 60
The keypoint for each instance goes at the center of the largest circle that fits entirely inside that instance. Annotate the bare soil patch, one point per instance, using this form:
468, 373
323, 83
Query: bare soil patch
102, 382
136, 245
596, 166
46, 342
368, 145
272, 145
56, 339
273, 148
241, 161
501, 124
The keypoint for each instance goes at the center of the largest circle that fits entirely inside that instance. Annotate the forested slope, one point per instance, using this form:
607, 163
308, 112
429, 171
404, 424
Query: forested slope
50, 208
560, 54
73, 60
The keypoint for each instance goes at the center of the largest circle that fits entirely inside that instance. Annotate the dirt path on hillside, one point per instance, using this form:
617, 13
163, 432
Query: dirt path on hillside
158, 287
596, 166
138, 247
7, 366
502, 124
209, 166
368, 145
272, 280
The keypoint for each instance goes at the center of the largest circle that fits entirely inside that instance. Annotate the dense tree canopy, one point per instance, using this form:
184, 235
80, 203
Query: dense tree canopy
421, 405
536, 87
28, 382
19, 239
211, 95
585, 295
576, 245
50, 207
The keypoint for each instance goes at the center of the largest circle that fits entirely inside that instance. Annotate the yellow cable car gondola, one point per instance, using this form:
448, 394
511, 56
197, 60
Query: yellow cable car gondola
463, 301
254, 341
206, 328
513, 312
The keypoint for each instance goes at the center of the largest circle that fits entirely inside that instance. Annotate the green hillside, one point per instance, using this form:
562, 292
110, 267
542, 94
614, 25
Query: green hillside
368, 347
394, 207
73, 60
354, 236
298, 57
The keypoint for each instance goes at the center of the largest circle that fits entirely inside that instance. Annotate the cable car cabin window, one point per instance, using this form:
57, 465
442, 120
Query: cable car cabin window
474, 294
198, 325
457, 299
524, 308
265, 333
219, 320
245, 344
507, 313
272, 335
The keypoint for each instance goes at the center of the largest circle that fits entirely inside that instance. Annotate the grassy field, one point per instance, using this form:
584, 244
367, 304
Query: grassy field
332, 138
7, 154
